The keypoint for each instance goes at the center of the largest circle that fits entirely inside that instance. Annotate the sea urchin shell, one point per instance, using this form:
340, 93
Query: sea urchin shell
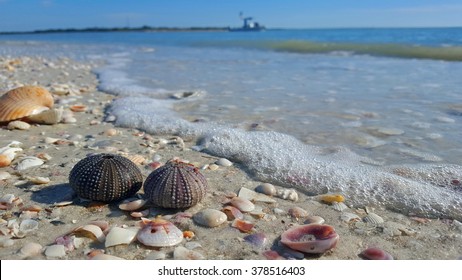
105, 177
175, 185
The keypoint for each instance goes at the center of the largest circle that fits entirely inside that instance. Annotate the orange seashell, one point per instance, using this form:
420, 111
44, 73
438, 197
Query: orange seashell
78, 108
4, 161
24, 101
330, 198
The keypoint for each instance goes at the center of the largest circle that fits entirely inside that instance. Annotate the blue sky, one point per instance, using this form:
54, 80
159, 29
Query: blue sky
25, 15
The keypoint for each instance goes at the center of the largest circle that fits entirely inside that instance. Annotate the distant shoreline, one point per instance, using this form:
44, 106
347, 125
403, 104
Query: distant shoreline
146, 28
118, 29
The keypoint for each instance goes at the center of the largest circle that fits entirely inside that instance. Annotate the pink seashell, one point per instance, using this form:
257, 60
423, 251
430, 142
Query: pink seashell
311, 238
244, 226
232, 213
257, 239
374, 253
272, 255
160, 233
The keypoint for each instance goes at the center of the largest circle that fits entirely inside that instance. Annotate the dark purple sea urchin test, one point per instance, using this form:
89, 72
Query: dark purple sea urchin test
175, 185
105, 177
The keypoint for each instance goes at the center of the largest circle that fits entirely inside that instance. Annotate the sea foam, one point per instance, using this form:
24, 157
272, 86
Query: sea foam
284, 160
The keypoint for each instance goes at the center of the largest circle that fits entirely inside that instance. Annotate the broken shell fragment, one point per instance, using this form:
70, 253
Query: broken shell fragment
242, 225
242, 204
311, 238
29, 162
257, 239
297, 212
160, 233
91, 231
24, 101
118, 235
181, 253
254, 196
51, 116
232, 213
55, 251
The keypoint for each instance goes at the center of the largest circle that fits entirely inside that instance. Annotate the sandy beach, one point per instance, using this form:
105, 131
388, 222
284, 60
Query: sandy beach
58, 211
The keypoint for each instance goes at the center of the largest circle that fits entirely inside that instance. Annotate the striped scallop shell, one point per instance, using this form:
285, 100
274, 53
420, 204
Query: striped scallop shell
105, 177
24, 101
175, 185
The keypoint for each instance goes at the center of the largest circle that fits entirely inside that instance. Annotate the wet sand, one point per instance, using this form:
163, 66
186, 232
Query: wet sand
402, 236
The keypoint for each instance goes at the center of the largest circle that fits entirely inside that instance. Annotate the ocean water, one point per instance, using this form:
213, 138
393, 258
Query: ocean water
375, 114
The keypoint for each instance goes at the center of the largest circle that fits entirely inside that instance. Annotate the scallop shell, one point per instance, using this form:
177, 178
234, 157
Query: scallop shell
105, 177
24, 101
175, 185
374, 219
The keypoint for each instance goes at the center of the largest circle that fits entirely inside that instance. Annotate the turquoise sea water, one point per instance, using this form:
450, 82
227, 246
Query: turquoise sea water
346, 102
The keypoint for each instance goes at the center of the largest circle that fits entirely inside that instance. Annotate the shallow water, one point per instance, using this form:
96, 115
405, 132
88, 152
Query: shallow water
353, 106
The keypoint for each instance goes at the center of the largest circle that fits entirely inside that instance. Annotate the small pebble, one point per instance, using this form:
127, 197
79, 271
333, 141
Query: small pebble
210, 217
224, 162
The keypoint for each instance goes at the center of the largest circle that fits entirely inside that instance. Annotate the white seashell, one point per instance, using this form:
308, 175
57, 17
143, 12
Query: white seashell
4, 175
105, 257
117, 236
223, 162
373, 218
11, 149
242, 204
6, 241
213, 166
192, 245
287, 194
92, 231
51, 140
52, 116
254, 196
156, 255
20, 125
160, 233
55, 251
314, 220
39, 180
28, 225
132, 205
7, 198
210, 217
181, 253
266, 188
339, 206
30, 249
69, 119
28, 162
349, 217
